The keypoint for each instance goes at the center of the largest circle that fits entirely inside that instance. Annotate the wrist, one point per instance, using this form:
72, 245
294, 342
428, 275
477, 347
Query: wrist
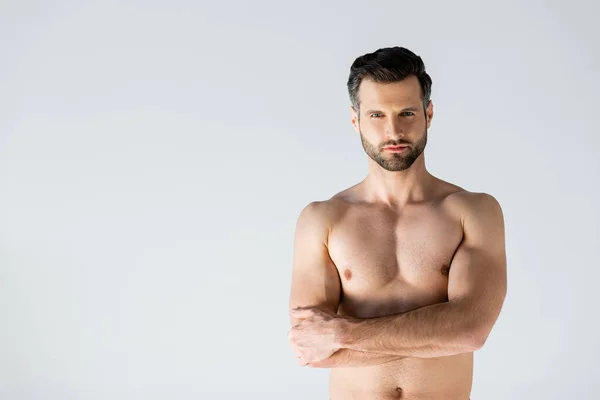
342, 331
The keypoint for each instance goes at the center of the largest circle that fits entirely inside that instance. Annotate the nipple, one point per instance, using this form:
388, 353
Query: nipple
347, 274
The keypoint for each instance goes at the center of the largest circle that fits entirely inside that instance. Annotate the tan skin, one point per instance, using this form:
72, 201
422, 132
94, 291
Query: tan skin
397, 280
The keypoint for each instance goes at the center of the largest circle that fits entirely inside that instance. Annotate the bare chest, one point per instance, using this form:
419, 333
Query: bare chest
391, 263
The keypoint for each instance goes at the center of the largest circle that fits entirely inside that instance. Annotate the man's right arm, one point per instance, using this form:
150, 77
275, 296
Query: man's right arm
316, 282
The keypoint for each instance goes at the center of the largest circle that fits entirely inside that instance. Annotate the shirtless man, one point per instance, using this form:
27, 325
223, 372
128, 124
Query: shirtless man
397, 280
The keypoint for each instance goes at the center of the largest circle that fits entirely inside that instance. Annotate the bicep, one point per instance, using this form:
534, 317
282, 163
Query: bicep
477, 275
315, 280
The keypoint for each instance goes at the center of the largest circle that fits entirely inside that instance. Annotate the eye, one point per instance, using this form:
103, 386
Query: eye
375, 115
407, 114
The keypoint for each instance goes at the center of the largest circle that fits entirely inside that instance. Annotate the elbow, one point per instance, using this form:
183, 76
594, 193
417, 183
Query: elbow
476, 337
471, 342
477, 342
477, 329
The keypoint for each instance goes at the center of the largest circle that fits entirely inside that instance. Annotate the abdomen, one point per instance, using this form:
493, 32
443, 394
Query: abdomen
444, 378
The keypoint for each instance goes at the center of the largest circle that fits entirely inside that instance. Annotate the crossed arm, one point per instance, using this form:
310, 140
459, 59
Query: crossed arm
476, 292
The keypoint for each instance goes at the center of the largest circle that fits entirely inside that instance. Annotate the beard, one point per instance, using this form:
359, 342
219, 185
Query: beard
395, 161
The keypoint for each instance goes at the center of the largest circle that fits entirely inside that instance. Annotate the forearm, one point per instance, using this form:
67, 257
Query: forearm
437, 330
345, 358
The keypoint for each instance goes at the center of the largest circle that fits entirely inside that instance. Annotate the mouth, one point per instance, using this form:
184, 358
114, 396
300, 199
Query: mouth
395, 149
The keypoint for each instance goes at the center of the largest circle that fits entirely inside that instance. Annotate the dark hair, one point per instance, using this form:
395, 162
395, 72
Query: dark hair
386, 65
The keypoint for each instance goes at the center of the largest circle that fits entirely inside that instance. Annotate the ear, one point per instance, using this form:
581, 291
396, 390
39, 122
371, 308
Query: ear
429, 113
354, 119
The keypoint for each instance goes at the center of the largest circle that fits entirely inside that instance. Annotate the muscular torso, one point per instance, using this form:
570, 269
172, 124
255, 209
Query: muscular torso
394, 261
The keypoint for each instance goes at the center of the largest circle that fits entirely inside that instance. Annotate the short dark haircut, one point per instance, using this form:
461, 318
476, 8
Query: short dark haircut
387, 65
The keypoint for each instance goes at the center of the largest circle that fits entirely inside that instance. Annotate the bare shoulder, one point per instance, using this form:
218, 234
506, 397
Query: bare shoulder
475, 207
322, 212
461, 203
465, 198
315, 212
473, 201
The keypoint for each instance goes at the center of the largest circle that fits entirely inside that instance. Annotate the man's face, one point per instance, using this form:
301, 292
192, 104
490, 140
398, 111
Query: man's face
392, 114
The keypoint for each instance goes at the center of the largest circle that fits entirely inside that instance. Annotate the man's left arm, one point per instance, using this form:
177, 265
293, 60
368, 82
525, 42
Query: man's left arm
476, 292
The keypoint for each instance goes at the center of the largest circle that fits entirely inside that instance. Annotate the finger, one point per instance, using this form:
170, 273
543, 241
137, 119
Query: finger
300, 360
303, 312
297, 353
305, 308
293, 334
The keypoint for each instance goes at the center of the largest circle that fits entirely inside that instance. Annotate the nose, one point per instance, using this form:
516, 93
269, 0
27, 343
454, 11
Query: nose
394, 128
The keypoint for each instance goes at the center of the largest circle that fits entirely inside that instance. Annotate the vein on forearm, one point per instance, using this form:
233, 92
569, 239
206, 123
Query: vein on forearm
344, 358
437, 330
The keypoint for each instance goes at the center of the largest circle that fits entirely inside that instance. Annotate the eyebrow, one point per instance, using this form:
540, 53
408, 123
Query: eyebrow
404, 109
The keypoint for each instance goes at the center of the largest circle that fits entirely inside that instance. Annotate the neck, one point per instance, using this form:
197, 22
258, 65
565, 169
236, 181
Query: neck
398, 188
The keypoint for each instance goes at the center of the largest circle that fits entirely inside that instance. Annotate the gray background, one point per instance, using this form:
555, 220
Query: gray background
154, 157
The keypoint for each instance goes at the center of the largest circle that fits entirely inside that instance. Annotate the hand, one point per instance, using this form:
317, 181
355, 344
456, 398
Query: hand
314, 338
